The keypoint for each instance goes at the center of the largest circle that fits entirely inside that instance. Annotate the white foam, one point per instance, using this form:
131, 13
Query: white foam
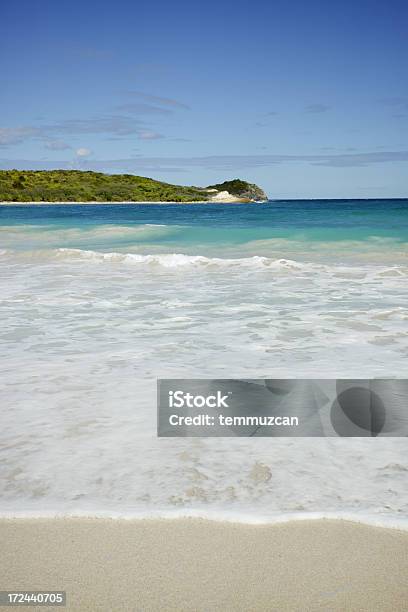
175, 260
182, 260
220, 516
83, 344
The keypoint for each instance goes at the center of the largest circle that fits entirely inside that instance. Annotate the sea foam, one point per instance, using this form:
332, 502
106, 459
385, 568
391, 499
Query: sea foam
91, 319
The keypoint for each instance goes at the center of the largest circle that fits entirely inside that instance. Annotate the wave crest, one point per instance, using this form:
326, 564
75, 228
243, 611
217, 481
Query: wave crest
176, 260
281, 265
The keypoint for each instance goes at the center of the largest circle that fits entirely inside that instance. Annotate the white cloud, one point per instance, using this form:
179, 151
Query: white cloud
83, 152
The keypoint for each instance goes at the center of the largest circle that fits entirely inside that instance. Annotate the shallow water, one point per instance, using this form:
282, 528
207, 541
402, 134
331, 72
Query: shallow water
97, 302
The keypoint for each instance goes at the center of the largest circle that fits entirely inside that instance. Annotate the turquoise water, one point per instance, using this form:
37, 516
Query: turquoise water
98, 301
255, 229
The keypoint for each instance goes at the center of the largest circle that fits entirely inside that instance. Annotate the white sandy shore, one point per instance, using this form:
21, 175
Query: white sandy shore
196, 565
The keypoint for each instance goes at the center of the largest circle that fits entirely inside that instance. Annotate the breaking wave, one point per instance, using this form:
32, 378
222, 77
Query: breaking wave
176, 260
182, 260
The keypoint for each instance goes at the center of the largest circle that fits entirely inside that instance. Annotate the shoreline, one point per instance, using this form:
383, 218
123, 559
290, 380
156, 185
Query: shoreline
381, 521
270, 200
201, 565
127, 202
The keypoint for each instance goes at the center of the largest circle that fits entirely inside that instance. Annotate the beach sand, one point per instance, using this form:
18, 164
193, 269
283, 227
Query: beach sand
205, 566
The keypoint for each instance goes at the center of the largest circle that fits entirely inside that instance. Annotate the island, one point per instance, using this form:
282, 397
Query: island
60, 186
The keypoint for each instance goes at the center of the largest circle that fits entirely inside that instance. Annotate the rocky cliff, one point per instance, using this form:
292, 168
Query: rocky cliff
243, 191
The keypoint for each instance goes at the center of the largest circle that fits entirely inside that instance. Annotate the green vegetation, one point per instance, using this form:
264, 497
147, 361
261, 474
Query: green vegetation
80, 186
235, 187
87, 186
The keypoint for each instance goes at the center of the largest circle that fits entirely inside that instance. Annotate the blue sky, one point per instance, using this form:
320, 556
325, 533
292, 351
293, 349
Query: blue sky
305, 98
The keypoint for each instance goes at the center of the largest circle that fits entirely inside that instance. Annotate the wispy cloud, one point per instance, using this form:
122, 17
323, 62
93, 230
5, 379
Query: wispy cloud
56, 145
116, 126
125, 121
149, 135
317, 108
161, 101
109, 124
220, 162
143, 109
17, 135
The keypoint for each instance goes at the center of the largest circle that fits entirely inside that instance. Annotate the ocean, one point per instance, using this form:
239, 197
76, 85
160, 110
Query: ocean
98, 301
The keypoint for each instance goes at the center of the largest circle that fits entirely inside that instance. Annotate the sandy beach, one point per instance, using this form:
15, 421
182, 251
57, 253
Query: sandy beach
194, 564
